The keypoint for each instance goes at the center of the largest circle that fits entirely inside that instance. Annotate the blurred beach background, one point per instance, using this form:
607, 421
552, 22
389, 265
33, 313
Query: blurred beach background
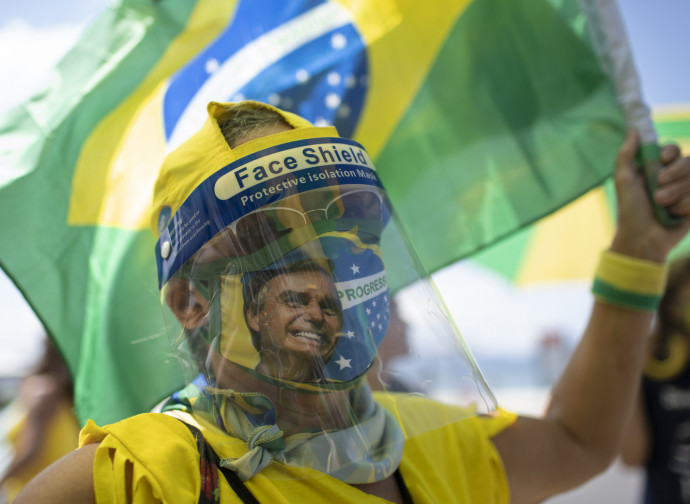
521, 333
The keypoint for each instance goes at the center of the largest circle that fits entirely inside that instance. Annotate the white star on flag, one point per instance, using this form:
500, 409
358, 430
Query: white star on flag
350, 334
355, 269
343, 362
368, 311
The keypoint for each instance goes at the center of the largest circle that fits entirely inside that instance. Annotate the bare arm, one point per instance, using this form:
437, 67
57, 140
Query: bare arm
582, 429
69, 480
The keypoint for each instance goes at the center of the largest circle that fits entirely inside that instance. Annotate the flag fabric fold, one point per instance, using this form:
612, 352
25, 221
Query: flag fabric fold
481, 117
566, 245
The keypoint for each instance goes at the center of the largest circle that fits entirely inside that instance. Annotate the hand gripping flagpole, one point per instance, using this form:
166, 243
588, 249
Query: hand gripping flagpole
614, 51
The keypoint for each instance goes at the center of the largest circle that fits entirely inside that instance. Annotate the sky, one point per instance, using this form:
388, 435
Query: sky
35, 33
658, 35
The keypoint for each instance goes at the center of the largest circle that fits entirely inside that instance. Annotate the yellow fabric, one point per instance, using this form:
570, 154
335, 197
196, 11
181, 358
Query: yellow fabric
207, 151
673, 365
432, 469
60, 438
630, 274
454, 463
119, 161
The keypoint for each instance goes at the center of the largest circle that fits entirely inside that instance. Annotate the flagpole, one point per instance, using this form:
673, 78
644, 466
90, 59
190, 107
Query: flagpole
615, 54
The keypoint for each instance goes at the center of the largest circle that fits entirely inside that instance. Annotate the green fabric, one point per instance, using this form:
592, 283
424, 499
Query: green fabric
505, 257
673, 129
619, 297
529, 124
513, 120
93, 288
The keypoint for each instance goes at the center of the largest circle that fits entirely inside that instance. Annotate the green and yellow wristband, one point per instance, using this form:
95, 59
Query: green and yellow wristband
625, 281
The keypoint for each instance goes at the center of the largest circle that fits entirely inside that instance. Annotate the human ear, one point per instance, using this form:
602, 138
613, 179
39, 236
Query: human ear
189, 307
252, 320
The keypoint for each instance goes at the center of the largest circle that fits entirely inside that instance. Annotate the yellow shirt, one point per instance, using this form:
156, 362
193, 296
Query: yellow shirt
453, 463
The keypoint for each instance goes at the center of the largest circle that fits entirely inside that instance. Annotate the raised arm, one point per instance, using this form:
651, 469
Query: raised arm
582, 430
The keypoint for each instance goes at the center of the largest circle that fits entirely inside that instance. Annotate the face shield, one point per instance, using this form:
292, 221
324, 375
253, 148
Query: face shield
277, 280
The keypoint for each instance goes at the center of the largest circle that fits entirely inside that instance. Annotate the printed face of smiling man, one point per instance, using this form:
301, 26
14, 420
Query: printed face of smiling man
298, 324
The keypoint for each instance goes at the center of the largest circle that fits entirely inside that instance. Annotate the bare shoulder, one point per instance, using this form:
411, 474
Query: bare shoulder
70, 479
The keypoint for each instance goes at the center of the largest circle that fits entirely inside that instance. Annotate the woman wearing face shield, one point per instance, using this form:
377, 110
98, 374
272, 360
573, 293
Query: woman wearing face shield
273, 236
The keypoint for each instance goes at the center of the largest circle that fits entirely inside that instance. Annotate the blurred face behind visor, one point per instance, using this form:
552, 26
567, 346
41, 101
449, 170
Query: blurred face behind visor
274, 261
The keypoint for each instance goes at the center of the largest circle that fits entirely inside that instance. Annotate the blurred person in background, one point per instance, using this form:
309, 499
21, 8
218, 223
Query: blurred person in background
47, 428
658, 437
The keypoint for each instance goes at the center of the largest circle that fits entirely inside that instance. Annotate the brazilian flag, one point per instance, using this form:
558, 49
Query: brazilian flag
481, 117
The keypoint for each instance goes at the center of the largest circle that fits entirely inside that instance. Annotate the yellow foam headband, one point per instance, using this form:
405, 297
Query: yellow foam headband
207, 151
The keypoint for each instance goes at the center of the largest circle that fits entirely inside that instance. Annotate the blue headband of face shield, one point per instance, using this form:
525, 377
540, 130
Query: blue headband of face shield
250, 190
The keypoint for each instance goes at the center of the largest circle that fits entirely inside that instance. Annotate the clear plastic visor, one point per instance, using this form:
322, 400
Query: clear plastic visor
291, 340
